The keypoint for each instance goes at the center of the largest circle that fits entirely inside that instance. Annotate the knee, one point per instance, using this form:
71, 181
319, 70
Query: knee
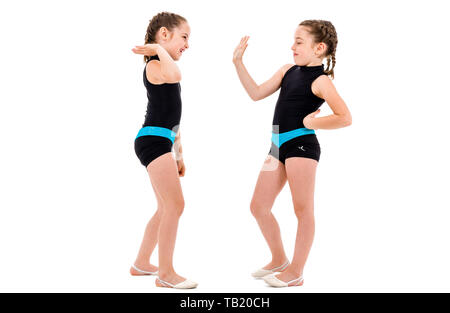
160, 208
158, 212
303, 210
175, 206
258, 209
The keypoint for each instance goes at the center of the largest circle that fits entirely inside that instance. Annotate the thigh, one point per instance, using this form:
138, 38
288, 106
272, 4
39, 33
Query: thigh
271, 180
163, 173
301, 176
158, 197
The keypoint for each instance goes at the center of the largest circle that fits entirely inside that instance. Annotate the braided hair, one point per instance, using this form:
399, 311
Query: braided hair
163, 19
324, 31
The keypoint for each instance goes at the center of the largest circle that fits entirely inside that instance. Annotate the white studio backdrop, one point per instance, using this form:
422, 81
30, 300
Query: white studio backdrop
75, 200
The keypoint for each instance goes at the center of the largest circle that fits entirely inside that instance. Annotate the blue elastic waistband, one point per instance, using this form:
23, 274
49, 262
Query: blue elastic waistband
279, 139
157, 131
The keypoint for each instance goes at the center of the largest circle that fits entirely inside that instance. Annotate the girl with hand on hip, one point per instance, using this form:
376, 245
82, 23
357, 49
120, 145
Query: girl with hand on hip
295, 149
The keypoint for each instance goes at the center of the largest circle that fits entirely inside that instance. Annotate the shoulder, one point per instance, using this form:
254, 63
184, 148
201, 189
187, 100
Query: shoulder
153, 63
152, 67
321, 85
286, 68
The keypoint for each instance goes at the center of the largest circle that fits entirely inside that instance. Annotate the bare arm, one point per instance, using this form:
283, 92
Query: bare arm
164, 71
179, 155
255, 91
177, 147
324, 88
166, 68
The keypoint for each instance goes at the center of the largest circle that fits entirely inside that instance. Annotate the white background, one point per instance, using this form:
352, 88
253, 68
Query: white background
75, 200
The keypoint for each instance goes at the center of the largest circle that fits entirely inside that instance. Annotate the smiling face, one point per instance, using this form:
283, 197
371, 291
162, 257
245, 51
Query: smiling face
305, 51
176, 41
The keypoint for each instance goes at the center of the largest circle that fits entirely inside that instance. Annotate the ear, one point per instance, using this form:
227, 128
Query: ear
321, 48
164, 32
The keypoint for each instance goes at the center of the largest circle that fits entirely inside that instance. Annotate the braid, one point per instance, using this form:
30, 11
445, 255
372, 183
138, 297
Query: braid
331, 38
324, 31
333, 58
328, 65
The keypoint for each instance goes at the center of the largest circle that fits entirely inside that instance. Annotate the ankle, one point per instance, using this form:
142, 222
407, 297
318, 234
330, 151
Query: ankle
166, 274
280, 261
142, 263
295, 270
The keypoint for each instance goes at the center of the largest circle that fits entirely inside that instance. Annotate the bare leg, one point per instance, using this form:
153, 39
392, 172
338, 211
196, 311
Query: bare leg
301, 173
165, 179
268, 186
149, 242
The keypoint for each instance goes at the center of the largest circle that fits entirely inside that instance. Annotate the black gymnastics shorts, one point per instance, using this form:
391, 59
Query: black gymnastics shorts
148, 148
306, 146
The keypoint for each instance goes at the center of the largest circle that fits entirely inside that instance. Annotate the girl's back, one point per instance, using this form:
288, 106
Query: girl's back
164, 103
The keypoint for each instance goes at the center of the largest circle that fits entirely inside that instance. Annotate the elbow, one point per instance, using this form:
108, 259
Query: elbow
173, 78
344, 120
176, 78
347, 120
255, 95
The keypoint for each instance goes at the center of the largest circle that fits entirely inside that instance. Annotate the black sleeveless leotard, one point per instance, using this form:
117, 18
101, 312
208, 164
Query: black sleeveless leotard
296, 100
162, 120
164, 103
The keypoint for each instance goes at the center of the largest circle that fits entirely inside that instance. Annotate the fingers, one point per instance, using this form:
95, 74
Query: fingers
240, 49
138, 50
142, 49
244, 40
313, 114
181, 168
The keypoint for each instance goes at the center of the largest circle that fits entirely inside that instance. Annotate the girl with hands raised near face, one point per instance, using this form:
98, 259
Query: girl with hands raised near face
295, 150
165, 41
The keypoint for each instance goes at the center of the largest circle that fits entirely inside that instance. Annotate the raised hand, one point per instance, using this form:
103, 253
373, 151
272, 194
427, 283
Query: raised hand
148, 49
240, 49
